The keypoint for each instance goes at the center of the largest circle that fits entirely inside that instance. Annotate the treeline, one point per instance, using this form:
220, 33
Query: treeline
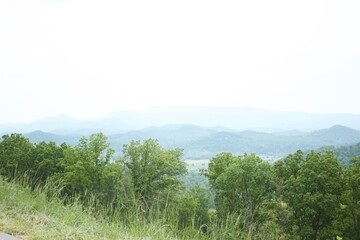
343, 153
143, 185
303, 196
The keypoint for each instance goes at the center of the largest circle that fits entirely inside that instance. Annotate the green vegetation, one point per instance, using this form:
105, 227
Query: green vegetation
344, 153
40, 213
78, 192
312, 187
204, 143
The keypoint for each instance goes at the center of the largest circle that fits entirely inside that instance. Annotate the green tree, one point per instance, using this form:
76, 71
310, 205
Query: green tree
313, 193
350, 212
87, 169
289, 166
243, 186
113, 192
217, 167
46, 158
95, 149
153, 170
284, 170
15, 155
202, 196
187, 205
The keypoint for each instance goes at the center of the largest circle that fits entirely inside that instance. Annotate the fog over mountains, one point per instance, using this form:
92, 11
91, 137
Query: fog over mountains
204, 132
223, 117
204, 143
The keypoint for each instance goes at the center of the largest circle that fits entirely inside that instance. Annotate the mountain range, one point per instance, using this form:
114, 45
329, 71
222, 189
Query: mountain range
221, 117
204, 143
212, 130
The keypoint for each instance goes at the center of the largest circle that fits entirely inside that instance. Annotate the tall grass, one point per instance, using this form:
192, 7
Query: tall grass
39, 212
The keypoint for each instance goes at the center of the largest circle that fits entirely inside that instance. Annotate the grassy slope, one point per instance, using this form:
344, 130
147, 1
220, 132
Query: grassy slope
30, 215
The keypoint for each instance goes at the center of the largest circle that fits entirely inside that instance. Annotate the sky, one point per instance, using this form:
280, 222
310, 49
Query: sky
88, 58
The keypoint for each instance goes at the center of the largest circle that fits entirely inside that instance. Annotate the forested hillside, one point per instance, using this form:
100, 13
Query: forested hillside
204, 143
303, 196
344, 153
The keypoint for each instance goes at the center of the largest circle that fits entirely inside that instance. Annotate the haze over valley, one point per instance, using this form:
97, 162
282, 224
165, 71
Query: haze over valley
205, 132
158, 119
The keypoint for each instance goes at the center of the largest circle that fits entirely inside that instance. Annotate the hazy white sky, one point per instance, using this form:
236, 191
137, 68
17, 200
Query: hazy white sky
88, 58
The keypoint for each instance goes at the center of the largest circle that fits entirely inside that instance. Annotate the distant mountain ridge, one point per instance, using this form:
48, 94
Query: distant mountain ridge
238, 118
204, 131
203, 142
272, 144
223, 117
